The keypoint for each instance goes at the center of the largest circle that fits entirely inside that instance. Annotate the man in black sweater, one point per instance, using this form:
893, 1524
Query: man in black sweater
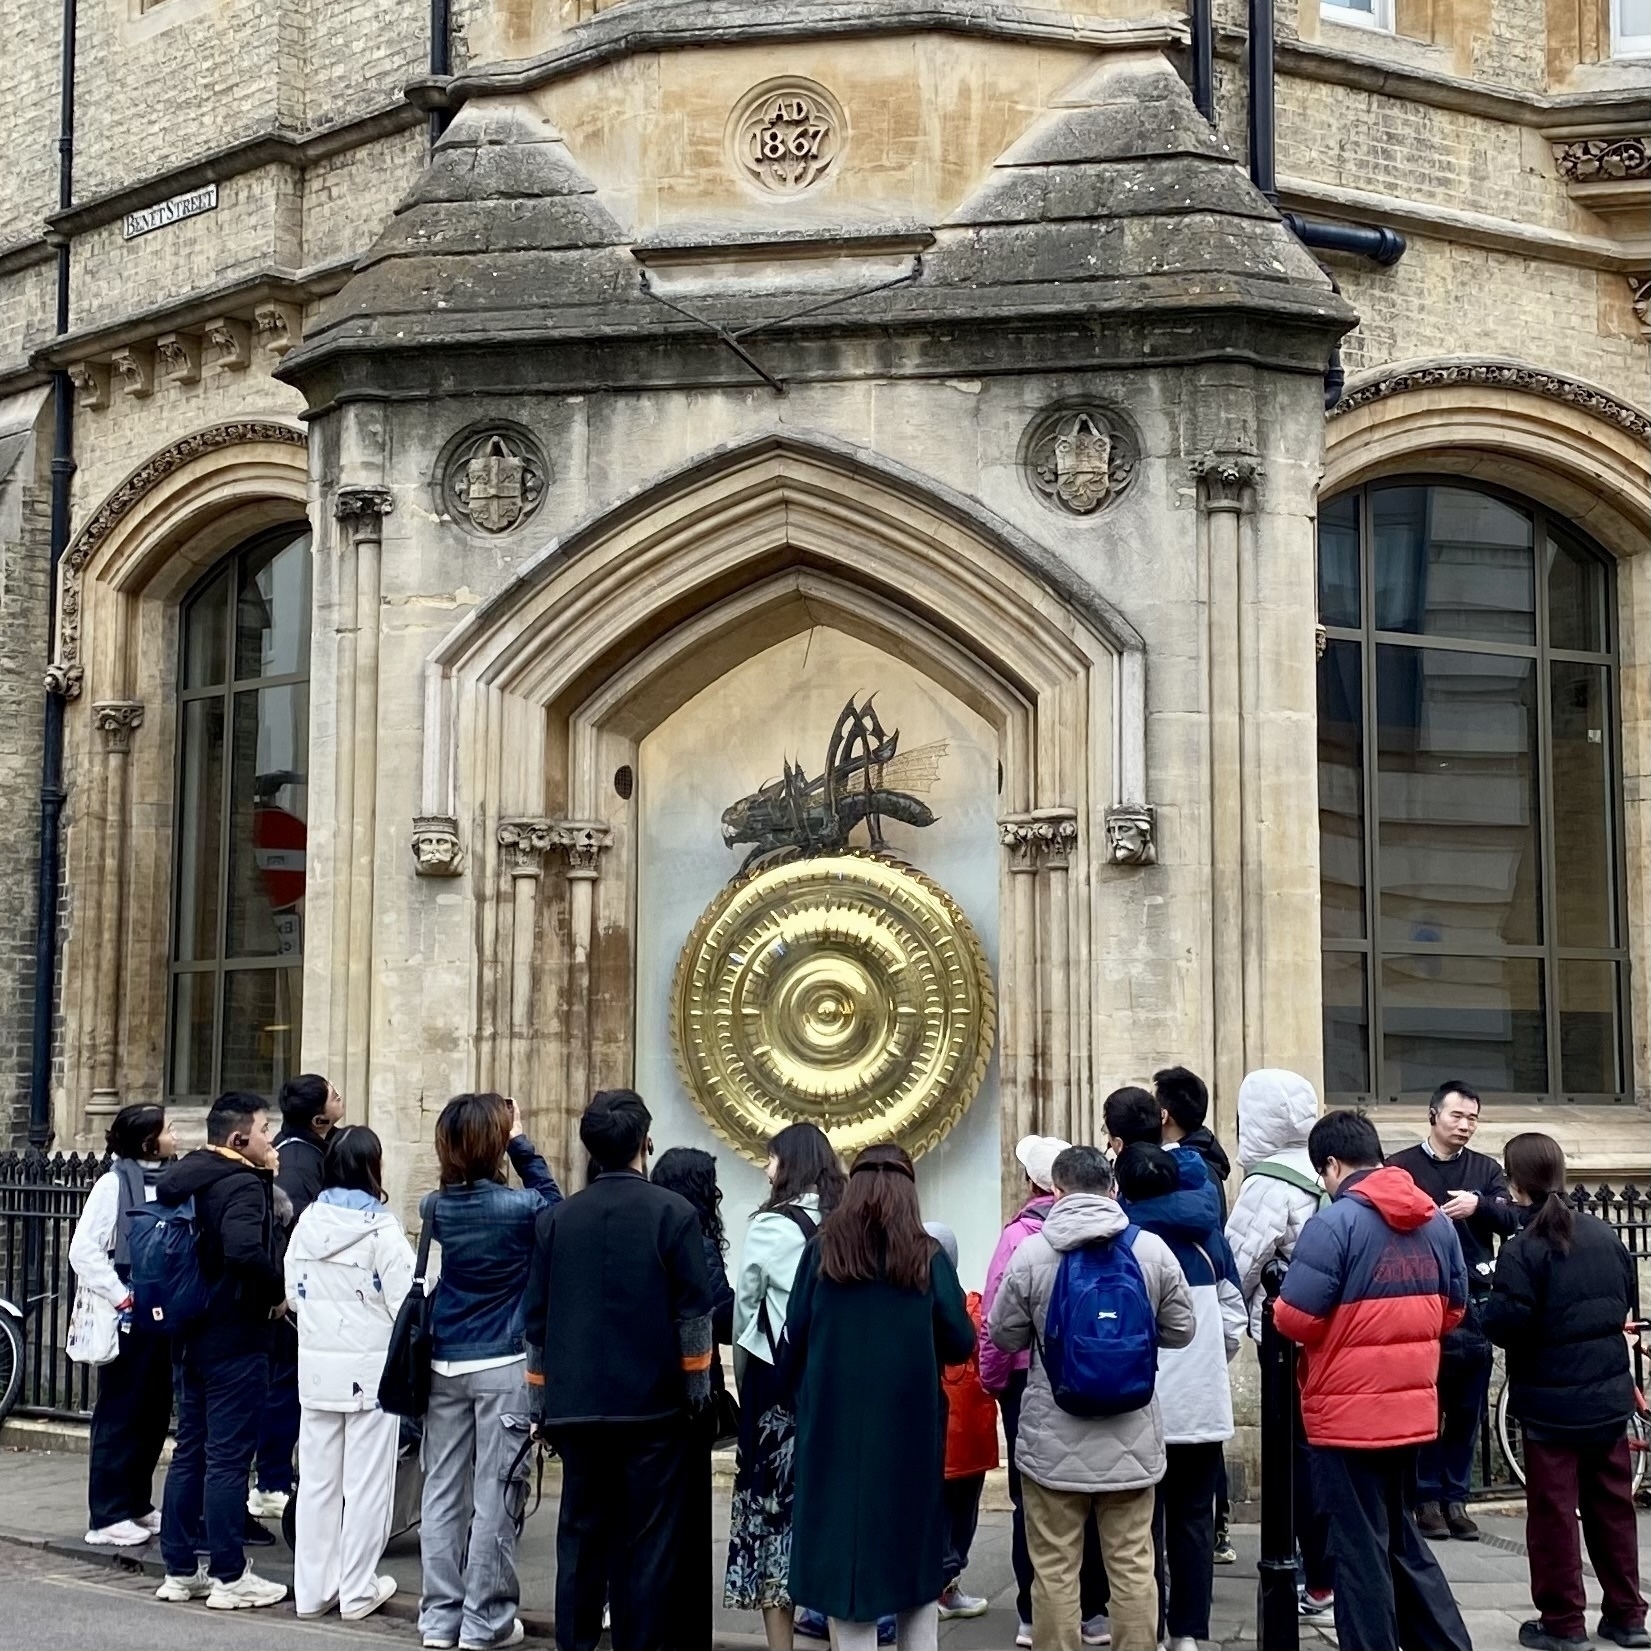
618, 1317
1471, 1189
222, 1358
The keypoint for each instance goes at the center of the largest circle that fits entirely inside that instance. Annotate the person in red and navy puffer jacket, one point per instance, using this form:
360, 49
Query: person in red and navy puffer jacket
1376, 1280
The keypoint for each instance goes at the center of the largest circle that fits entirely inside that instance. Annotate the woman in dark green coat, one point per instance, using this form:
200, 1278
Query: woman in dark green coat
875, 1312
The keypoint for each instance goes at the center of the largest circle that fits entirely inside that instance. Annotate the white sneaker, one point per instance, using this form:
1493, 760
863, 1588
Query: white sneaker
245, 1592
267, 1504
151, 1521
434, 1642
124, 1533
514, 1637
320, 1610
385, 1588
176, 1589
955, 1603
1097, 1630
1023, 1636
1185, 1643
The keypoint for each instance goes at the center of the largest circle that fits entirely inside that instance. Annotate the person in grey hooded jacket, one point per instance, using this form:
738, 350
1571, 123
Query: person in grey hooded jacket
1070, 1464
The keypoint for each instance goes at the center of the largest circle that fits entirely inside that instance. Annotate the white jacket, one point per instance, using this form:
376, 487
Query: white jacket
768, 1267
1276, 1109
348, 1272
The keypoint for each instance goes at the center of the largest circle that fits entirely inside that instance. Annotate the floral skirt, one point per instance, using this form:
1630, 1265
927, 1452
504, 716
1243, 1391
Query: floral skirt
759, 1540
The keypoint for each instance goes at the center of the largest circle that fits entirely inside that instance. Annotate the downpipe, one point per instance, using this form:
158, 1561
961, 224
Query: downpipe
441, 60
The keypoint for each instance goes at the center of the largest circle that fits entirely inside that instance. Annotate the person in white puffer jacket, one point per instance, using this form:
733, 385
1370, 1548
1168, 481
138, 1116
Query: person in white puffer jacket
349, 1267
1281, 1193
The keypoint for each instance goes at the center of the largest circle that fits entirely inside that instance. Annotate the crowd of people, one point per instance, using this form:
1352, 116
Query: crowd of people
262, 1286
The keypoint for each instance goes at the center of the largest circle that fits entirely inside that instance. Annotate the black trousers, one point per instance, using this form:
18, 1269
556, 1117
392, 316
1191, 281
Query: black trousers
635, 1529
1094, 1589
1390, 1590
1444, 1469
962, 1502
130, 1417
279, 1419
1183, 1539
1310, 1530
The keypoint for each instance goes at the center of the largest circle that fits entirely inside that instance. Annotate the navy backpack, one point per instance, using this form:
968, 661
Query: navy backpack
169, 1291
1100, 1335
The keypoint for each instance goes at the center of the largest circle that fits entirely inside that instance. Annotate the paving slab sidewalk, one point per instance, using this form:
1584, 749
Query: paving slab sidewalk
42, 1503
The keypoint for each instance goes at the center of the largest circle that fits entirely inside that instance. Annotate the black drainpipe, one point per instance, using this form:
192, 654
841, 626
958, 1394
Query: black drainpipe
1203, 58
441, 60
1383, 246
51, 760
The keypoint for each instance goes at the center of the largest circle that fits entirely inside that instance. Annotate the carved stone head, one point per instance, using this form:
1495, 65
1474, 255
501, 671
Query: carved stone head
1129, 836
436, 850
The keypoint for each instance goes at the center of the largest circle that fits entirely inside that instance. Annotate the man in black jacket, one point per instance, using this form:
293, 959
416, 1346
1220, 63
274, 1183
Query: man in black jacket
310, 1110
1471, 1189
619, 1330
222, 1358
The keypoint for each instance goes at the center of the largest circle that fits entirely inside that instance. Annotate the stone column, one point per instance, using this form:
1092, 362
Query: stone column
116, 721
360, 512
525, 844
1226, 487
582, 844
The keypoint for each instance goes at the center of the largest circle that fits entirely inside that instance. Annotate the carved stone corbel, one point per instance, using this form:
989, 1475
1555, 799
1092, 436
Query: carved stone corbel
178, 355
525, 844
91, 382
280, 326
117, 720
436, 848
65, 678
135, 367
582, 843
230, 342
1130, 835
1224, 478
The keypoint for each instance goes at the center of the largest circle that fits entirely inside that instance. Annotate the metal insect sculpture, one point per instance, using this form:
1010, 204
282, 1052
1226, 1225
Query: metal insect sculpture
866, 778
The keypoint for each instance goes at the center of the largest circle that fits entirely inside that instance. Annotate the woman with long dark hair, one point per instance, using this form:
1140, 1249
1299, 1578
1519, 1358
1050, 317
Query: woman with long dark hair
348, 1268
478, 1414
805, 1182
876, 1314
134, 1390
1564, 1290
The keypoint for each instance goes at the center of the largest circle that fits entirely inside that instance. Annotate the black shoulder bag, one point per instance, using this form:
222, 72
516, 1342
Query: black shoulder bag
404, 1388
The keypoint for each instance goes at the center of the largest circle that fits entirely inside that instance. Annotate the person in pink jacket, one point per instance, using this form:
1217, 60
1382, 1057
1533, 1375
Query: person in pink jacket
1003, 1375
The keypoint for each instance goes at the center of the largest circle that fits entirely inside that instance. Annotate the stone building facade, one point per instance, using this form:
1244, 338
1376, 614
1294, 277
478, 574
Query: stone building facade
456, 533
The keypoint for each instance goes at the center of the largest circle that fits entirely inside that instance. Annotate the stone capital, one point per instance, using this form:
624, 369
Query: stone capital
1224, 478
361, 509
116, 720
525, 844
436, 848
1041, 839
582, 843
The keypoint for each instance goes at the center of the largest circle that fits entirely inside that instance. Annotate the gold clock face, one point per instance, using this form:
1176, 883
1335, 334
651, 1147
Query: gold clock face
845, 990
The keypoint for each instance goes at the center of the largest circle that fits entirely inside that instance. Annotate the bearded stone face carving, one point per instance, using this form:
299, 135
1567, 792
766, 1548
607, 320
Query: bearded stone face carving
1129, 836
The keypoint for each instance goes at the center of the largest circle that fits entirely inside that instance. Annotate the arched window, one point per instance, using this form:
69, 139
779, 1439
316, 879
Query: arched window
1469, 812
238, 865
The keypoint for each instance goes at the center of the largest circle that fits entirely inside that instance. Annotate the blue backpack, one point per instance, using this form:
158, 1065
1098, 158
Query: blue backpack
169, 1290
1100, 1335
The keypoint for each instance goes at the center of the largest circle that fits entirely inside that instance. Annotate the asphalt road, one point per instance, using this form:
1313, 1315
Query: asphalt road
55, 1604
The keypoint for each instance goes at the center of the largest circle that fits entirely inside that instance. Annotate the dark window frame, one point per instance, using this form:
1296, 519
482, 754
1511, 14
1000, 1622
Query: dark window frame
226, 691
1549, 953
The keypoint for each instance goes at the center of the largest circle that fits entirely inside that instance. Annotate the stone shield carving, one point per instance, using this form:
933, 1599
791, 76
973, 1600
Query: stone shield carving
492, 477
1078, 458
846, 990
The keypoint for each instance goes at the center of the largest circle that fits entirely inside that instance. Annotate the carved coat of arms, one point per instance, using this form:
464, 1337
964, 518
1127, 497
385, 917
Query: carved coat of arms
1079, 460
494, 479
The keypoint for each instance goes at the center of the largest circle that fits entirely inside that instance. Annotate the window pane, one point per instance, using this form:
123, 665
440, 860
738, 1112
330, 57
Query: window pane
200, 829
1634, 20
272, 618
1346, 1025
1341, 792
262, 1012
1339, 561
1576, 593
1456, 790
1453, 563
1584, 900
1589, 1039
204, 657
270, 804
1475, 1018
192, 996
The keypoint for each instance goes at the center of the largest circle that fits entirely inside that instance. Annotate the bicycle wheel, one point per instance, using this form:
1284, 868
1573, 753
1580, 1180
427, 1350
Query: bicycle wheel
1639, 1452
11, 1364
1510, 1436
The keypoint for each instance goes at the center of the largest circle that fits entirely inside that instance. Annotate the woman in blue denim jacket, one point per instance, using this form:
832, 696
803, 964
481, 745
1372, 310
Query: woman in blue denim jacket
478, 1415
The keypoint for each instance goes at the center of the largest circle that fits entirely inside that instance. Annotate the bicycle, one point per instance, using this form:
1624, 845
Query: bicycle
1510, 1435
11, 1356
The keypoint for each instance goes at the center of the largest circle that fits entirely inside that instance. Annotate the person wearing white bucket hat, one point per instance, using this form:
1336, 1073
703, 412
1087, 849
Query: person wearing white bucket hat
1003, 1375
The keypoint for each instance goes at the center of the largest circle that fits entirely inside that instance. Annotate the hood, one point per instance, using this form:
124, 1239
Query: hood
328, 1230
1081, 1218
1276, 1109
1202, 1142
1145, 1171
1035, 1211
1191, 1210
1393, 1195
196, 1171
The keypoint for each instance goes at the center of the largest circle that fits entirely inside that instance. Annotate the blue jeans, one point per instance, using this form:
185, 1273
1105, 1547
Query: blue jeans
1444, 1468
278, 1430
220, 1403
